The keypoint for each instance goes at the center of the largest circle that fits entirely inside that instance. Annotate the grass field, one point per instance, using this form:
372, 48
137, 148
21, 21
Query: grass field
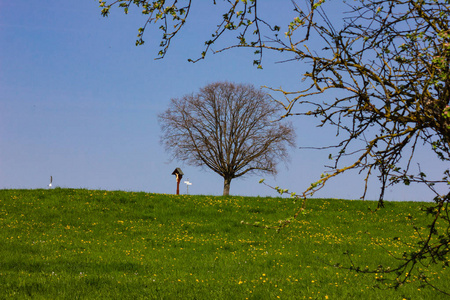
84, 244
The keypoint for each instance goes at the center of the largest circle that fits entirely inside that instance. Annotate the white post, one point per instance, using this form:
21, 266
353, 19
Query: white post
187, 186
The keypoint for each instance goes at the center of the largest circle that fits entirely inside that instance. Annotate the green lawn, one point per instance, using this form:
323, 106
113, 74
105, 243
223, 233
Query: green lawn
69, 244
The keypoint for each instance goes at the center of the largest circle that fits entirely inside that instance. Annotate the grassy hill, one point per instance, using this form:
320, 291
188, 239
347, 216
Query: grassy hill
69, 244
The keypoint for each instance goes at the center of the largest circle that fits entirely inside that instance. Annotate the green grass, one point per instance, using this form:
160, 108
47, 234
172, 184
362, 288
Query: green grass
82, 244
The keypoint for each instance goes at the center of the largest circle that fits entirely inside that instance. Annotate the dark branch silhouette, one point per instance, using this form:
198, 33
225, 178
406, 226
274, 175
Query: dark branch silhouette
381, 79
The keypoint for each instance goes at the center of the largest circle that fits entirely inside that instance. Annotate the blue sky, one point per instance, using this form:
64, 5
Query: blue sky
79, 102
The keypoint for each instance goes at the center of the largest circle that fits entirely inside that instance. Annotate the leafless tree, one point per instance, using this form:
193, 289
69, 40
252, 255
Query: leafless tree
227, 128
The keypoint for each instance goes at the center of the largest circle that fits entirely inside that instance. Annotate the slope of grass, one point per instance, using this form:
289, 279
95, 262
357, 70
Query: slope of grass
64, 243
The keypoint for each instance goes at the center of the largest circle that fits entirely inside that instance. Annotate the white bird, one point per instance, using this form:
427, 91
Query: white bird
51, 180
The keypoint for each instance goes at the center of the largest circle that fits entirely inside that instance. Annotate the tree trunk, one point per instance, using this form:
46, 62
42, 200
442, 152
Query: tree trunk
226, 186
384, 176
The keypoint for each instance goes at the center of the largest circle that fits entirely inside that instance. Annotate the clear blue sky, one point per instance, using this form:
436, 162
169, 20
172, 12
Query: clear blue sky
79, 102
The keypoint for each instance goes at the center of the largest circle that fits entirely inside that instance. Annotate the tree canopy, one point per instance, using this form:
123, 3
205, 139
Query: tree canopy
381, 78
227, 128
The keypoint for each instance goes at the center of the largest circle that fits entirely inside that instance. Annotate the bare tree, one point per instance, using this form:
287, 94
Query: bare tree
229, 129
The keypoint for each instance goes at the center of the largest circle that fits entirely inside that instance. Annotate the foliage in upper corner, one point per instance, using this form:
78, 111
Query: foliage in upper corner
172, 15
